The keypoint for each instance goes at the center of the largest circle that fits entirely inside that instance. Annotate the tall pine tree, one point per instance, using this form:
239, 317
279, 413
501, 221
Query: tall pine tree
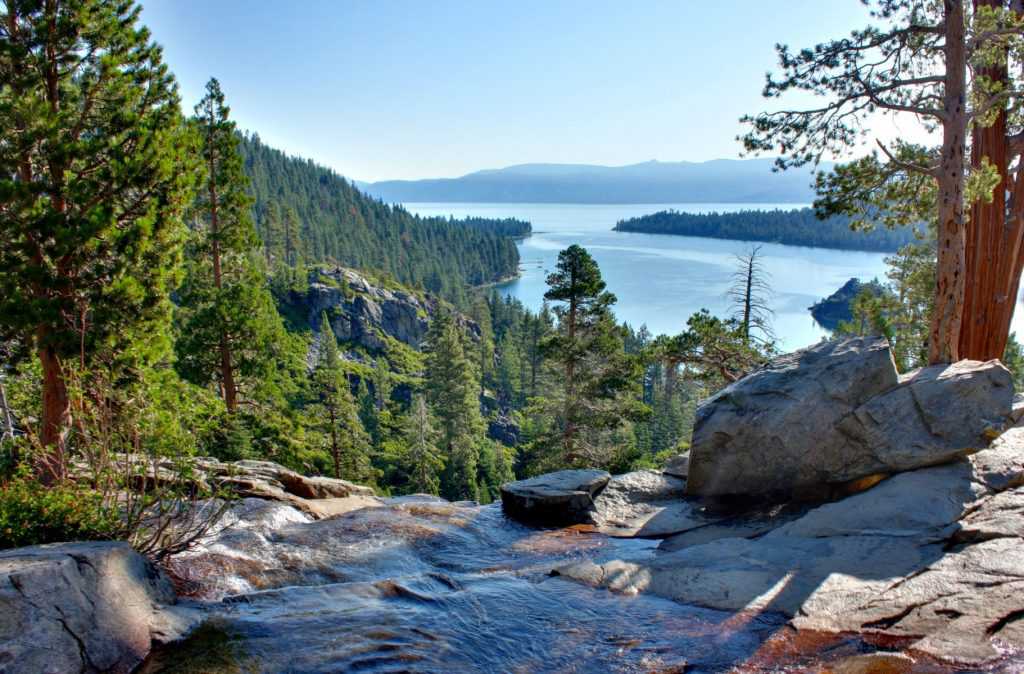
451, 390
230, 329
423, 461
336, 411
599, 386
93, 176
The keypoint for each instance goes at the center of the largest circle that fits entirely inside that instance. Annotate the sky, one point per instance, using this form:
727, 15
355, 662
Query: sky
389, 89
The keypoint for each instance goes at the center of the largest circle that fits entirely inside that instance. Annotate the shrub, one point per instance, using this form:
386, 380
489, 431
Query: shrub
31, 514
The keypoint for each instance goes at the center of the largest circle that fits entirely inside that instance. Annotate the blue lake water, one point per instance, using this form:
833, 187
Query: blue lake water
660, 280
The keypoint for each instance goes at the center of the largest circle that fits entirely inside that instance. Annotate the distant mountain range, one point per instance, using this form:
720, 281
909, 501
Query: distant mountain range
653, 182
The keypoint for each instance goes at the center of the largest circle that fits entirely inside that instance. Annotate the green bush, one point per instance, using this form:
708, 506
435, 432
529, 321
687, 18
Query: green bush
31, 513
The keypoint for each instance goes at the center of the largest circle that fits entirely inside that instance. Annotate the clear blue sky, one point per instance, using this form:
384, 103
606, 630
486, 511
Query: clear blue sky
383, 89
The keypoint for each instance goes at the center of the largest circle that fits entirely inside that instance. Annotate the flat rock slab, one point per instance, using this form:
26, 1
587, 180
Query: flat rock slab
563, 497
332, 507
750, 524
84, 607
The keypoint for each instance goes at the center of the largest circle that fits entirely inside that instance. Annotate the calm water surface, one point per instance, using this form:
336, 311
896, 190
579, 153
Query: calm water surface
660, 280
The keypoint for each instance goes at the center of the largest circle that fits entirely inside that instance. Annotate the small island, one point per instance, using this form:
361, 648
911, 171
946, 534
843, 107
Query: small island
796, 227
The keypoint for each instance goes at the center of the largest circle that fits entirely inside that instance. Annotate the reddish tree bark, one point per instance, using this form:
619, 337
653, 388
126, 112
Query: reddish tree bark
995, 235
993, 244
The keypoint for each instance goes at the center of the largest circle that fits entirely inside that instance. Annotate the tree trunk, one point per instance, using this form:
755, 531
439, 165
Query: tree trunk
943, 344
56, 418
335, 449
747, 292
227, 372
56, 404
993, 249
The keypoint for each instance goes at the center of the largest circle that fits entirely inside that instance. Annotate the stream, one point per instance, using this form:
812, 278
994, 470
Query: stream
422, 585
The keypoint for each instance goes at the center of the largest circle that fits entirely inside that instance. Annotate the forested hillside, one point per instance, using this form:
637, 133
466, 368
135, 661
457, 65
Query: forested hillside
797, 227
308, 213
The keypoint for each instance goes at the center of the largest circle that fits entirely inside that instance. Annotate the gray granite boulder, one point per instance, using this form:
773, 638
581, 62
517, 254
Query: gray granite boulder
84, 607
563, 497
837, 412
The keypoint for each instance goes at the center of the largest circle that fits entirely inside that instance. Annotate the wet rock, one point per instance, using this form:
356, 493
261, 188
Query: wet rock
563, 497
84, 607
837, 412
872, 663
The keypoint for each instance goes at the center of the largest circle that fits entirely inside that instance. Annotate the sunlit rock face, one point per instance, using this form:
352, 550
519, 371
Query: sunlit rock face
837, 412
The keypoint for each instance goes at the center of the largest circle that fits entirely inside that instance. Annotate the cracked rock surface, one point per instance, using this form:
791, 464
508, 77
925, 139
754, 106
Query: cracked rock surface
84, 607
934, 556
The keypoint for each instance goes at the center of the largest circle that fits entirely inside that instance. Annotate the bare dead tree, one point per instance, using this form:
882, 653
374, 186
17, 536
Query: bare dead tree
750, 293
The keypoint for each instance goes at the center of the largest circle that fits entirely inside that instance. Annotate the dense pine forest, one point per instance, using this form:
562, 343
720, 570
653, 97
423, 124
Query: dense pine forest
306, 213
797, 227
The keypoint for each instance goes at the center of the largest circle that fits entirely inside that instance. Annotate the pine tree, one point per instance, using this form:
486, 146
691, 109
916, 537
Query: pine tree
230, 330
451, 391
423, 462
598, 391
95, 174
348, 441
484, 348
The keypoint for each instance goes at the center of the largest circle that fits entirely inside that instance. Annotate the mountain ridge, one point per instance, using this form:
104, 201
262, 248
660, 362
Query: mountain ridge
654, 182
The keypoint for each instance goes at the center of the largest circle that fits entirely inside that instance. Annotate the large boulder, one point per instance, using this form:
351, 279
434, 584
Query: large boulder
84, 607
564, 497
837, 412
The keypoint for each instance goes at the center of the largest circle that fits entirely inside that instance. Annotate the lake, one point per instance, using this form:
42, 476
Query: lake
659, 279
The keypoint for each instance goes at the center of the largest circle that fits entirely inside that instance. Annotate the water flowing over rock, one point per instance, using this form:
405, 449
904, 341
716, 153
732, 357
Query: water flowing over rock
84, 607
837, 412
563, 497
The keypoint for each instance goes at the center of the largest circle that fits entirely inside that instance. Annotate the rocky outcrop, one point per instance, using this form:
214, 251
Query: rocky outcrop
933, 555
268, 480
838, 412
84, 607
361, 311
564, 497
364, 312
835, 308
317, 496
